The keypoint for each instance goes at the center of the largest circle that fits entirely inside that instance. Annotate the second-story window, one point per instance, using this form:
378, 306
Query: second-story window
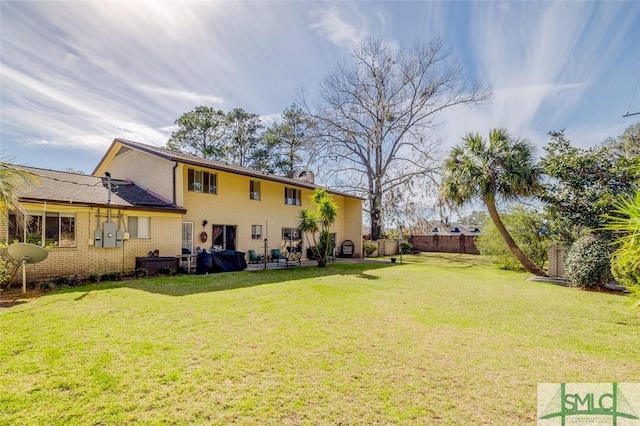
292, 196
254, 189
200, 181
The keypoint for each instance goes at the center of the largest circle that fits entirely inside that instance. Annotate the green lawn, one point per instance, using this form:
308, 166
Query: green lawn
440, 339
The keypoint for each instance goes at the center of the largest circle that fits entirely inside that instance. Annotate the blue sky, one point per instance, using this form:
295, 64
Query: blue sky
75, 75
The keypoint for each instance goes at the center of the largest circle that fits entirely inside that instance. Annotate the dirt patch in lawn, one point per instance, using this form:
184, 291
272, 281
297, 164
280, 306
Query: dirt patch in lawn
11, 297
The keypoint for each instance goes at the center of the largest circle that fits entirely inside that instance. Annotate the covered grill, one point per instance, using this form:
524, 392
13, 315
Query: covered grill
346, 248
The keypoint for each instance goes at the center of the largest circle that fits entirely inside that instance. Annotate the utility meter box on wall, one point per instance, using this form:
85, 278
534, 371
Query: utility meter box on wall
109, 235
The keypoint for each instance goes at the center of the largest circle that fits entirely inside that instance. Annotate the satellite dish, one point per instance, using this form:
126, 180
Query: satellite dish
30, 253
26, 253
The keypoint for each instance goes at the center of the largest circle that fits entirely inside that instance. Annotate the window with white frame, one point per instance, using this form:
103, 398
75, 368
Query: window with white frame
256, 232
254, 189
55, 229
139, 227
292, 196
291, 240
201, 181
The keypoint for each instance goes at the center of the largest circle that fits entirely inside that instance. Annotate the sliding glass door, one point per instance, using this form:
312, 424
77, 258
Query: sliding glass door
223, 237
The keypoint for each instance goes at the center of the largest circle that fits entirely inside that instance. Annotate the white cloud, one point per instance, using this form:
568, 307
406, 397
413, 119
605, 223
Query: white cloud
345, 27
542, 60
269, 119
76, 75
194, 98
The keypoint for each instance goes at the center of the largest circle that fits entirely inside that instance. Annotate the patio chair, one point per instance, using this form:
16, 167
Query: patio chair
293, 258
277, 256
255, 258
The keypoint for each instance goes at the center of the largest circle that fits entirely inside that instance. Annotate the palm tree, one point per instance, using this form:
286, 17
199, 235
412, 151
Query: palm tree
502, 168
319, 221
625, 221
11, 180
308, 225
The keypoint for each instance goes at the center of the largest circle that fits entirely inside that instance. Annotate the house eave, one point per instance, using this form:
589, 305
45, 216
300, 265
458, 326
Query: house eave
177, 210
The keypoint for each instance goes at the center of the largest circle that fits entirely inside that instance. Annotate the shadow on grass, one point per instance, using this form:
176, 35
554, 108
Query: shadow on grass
182, 285
11, 303
366, 276
456, 260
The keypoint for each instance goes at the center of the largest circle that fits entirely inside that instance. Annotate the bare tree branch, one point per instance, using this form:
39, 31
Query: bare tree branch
375, 115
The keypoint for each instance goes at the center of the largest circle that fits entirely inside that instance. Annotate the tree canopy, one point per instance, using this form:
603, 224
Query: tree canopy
200, 132
243, 136
502, 168
237, 137
524, 225
289, 140
627, 144
375, 115
583, 185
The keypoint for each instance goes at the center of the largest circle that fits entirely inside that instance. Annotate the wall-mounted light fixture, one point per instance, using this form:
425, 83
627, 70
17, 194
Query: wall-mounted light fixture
204, 222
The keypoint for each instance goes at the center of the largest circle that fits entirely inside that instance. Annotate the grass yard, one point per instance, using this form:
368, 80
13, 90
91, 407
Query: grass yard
440, 339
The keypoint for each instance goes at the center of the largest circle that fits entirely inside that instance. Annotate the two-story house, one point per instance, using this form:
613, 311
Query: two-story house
158, 199
228, 207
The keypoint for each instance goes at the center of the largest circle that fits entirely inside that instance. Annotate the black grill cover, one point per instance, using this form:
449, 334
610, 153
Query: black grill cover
224, 261
346, 249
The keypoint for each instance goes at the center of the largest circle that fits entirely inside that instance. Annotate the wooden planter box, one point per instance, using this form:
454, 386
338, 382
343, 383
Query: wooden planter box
154, 264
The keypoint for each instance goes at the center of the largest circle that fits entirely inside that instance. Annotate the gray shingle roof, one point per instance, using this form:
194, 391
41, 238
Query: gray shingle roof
218, 165
71, 188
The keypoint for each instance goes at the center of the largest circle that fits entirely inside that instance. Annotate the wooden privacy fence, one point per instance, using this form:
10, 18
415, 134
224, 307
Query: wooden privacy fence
445, 243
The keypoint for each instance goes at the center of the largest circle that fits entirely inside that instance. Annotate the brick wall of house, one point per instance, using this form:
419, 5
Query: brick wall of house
85, 259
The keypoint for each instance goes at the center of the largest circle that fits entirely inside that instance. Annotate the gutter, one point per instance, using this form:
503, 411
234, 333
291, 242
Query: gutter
141, 207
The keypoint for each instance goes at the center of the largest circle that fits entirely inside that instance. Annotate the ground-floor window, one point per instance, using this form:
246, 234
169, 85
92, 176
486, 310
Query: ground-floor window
256, 232
55, 229
139, 227
223, 237
291, 240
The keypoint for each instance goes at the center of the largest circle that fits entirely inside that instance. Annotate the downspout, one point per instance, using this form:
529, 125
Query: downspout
175, 166
121, 218
43, 225
108, 175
